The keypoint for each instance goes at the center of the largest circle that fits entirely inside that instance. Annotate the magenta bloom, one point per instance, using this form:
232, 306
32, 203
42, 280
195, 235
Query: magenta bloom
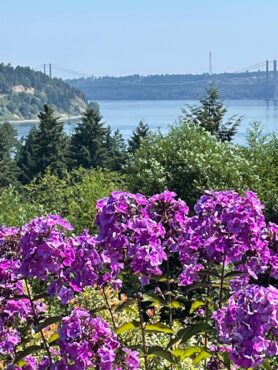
249, 323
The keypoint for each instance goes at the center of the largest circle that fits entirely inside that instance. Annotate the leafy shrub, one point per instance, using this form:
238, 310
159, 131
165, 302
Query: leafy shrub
188, 160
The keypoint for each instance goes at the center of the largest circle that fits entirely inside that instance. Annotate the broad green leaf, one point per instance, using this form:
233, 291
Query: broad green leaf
201, 356
161, 353
127, 327
226, 360
159, 328
195, 305
125, 304
233, 273
186, 352
27, 351
47, 322
209, 273
153, 299
53, 338
195, 329
266, 364
174, 304
21, 363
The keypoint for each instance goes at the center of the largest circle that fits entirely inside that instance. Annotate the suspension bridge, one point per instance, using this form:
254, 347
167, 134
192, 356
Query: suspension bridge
266, 73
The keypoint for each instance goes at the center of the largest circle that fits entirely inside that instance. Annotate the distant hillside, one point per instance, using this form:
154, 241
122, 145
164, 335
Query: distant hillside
23, 92
231, 86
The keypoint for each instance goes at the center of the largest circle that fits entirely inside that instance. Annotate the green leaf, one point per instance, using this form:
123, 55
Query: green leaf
160, 328
174, 304
21, 363
184, 334
209, 273
47, 322
226, 360
127, 327
233, 273
195, 329
28, 351
125, 304
153, 299
53, 337
195, 305
187, 352
201, 356
266, 364
161, 353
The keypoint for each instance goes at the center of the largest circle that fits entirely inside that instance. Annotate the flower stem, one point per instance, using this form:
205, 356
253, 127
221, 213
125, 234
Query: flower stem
143, 332
36, 321
222, 281
169, 299
109, 308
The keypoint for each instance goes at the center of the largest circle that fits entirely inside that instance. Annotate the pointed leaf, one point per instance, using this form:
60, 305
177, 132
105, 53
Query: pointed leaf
201, 356
47, 322
195, 329
125, 304
27, 351
195, 305
53, 338
186, 352
161, 353
127, 327
233, 273
21, 363
160, 328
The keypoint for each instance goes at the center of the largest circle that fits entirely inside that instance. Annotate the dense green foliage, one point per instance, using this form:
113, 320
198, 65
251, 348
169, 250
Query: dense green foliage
8, 145
165, 87
87, 147
262, 152
23, 93
74, 197
194, 156
188, 161
45, 147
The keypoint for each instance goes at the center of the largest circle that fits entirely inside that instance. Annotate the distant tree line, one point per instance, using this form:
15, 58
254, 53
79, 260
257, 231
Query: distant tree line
248, 85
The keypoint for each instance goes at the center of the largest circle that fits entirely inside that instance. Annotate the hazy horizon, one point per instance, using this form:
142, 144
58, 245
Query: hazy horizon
108, 38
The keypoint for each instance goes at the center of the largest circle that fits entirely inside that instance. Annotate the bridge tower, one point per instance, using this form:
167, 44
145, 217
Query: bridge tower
275, 95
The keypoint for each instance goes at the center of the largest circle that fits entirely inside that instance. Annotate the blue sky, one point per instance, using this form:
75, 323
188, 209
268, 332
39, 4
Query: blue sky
121, 37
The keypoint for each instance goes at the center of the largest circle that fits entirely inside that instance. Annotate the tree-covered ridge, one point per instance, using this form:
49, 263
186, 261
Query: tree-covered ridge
23, 93
248, 85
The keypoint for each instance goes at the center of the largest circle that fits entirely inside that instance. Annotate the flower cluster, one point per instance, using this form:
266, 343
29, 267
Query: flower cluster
250, 324
43, 247
145, 236
86, 341
227, 229
140, 231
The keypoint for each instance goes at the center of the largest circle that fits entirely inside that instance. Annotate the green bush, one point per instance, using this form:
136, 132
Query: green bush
75, 196
188, 160
14, 211
262, 153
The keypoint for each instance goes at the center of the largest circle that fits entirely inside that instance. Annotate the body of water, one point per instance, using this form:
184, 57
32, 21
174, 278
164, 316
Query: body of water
126, 114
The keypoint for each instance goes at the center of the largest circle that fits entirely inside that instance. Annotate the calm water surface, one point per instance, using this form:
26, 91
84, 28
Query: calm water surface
126, 114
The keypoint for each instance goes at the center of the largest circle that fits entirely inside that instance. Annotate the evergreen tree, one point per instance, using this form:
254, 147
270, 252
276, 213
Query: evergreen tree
45, 148
88, 146
8, 146
116, 147
138, 135
210, 115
